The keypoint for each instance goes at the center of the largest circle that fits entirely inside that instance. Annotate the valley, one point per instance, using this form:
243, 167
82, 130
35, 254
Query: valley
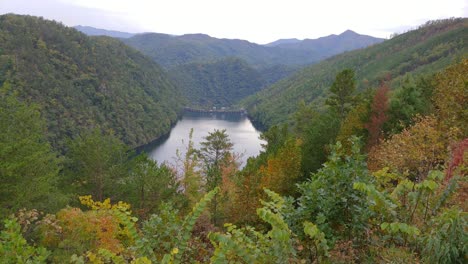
120, 147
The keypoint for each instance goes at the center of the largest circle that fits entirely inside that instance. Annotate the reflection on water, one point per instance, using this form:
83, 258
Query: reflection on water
241, 132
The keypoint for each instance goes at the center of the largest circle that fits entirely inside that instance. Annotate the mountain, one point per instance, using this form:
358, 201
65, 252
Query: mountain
219, 83
423, 51
333, 44
91, 31
81, 82
170, 51
282, 41
190, 59
329, 45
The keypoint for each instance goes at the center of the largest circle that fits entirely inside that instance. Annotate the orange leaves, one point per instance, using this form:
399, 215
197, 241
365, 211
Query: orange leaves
106, 226
283, 169
90, 230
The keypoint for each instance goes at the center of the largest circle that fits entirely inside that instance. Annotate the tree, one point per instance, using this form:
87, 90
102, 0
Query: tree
342, 91
283, 169
415, 151
328, 197
216, 153
354, 124
190, 172
450, 97
28, 166
407, 101
149, 184
302, 117
320, 132
378, 115
96, 164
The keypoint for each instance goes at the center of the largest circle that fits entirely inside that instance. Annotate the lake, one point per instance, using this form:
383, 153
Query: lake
242, 133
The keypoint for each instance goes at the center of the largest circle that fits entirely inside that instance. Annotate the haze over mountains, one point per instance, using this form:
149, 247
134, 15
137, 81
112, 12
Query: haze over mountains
92, 31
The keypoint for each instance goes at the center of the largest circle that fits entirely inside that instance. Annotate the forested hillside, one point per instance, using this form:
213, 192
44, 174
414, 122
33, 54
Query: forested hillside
82, 82
219, 83
430, 48
357, 175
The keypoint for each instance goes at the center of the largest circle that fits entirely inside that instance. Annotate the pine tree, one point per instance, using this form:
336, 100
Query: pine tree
28, 167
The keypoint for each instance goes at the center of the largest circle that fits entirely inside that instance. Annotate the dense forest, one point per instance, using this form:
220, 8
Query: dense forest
83, 82
371, 172
219, 83
430, 48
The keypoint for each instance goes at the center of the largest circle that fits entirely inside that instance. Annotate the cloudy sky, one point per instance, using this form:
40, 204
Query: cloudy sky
259, 21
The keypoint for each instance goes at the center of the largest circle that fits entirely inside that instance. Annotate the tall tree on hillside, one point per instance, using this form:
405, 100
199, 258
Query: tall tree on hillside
378, 116
342, 90
216, 152
28, 167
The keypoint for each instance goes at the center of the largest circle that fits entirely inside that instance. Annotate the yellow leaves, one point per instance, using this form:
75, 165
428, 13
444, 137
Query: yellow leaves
416, 150
106, 204
451, 97
88, 201
174, 251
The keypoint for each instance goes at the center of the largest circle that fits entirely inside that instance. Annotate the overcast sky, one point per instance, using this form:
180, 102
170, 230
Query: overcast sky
259, 21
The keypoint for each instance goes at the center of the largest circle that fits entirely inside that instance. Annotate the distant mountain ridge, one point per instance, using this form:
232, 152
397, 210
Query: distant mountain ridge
332, 44
282, 41
92, 31
349, 38
169, 50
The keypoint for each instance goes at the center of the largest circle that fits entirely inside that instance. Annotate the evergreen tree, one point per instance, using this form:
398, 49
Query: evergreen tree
216, 152
28, 167
342, 92
96, 165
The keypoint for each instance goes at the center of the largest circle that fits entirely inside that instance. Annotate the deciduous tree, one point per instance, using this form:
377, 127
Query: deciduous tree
378, 115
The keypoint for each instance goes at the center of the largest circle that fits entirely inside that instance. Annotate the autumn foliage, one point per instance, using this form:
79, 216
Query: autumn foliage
378, 115
414, 152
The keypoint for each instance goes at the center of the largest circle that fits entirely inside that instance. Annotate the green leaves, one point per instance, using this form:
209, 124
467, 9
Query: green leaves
15, 249
81, 82
318, 239
328, 197
397, 228
447, 240
250, 246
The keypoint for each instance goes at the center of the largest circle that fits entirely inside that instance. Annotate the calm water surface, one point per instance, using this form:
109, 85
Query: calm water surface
242, 134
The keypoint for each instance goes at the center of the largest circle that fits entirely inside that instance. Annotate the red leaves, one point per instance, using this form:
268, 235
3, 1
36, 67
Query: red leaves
458, 154
378, 115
